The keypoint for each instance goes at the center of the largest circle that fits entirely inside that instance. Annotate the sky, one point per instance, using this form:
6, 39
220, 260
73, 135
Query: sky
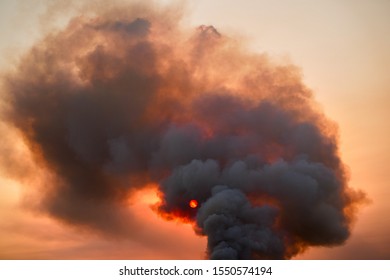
342, 50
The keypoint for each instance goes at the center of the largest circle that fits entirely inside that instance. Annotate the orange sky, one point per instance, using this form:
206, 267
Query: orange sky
342, 48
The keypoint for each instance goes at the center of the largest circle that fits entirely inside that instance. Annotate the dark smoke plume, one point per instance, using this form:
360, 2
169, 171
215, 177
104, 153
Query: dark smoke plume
127, 98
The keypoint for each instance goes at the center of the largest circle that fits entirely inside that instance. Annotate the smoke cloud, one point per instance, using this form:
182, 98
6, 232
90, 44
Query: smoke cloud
127, 97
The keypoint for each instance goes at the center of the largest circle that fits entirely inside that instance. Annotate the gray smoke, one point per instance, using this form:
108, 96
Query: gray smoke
120, 100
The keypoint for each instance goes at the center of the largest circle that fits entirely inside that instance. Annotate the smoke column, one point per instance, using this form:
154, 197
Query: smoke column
125, 98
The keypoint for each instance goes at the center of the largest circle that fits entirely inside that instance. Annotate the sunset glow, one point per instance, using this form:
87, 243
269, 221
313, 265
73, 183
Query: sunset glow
273, 116
193, 203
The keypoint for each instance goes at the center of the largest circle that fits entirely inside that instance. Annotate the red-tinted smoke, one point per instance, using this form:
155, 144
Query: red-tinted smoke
124, 98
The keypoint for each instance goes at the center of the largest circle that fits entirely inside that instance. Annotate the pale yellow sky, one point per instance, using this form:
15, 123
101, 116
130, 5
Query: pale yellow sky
343, 49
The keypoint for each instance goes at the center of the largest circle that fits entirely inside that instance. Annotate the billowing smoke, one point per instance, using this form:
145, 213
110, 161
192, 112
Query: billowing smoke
126, 98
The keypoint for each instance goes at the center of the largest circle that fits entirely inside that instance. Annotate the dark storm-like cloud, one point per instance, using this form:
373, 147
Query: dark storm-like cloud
114, 102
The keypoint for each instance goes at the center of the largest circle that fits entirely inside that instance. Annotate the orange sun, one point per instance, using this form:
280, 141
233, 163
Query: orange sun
193, 203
